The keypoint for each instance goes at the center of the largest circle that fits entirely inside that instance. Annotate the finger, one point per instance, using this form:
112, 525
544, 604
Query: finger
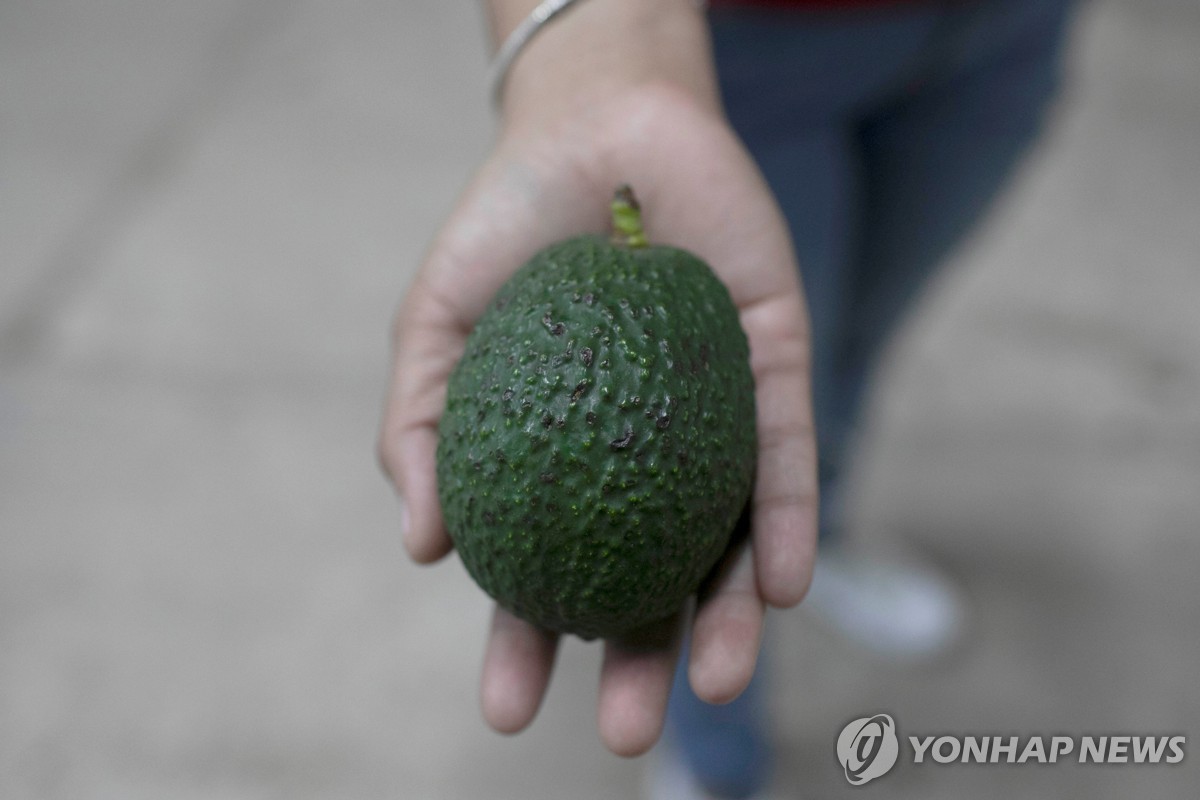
423, 529
428, 341
727, 631
784, 503
635, 682
516, 672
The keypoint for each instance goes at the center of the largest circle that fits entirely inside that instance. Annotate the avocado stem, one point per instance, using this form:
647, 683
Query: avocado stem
627, 219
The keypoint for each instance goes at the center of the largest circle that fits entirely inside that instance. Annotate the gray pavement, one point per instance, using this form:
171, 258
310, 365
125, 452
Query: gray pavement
207, 214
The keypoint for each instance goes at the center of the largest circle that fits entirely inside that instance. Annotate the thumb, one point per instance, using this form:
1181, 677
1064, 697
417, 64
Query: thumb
505, 215
427, 342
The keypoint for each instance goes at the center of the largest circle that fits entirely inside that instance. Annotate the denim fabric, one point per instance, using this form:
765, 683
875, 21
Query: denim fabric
884, 135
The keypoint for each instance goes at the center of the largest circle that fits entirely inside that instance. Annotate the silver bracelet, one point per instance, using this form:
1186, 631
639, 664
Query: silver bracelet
516, 41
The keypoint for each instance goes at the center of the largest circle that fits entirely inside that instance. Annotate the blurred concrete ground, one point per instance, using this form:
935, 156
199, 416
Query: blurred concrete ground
207, 213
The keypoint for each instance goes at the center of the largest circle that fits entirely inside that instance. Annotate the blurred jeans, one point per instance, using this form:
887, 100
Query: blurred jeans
884, 134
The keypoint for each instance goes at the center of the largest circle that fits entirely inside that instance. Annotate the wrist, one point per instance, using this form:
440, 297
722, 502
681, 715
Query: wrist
504, 16
597, 50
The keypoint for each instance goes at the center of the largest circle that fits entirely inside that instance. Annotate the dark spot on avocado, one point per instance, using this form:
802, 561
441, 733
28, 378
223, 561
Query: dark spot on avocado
589, 298
624, 441
586, 356
547, 420
580, 390
507, 395
547, 477
663, 422
590, 417
555, 328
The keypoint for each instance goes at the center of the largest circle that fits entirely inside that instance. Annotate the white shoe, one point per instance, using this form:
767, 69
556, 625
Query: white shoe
898, 611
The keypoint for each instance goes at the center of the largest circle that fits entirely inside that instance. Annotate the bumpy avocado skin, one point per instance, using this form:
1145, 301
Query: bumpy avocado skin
598, 441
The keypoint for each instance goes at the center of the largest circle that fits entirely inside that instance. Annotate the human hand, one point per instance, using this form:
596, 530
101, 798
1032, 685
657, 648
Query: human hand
563, 147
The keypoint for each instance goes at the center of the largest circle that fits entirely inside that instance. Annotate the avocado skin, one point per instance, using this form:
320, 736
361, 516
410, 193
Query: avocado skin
598, 440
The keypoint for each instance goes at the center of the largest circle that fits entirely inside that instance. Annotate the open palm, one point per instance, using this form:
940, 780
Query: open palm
700, 192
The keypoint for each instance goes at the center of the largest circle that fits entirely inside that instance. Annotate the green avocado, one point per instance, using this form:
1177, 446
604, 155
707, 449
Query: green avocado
598, 440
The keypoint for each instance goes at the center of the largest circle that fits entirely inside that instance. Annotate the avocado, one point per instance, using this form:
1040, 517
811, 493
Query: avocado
598, 440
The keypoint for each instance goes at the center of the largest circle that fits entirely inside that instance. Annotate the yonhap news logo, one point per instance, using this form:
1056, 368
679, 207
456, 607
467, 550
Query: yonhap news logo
868, 747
